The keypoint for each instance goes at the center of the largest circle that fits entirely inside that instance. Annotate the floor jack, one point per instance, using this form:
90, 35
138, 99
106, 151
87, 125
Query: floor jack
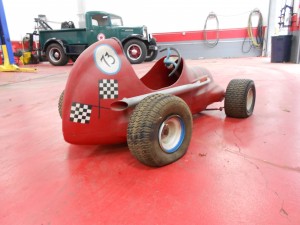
8, 56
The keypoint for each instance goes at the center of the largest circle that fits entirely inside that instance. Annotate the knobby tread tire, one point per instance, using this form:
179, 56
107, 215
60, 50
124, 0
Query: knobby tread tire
236, 98
143, 129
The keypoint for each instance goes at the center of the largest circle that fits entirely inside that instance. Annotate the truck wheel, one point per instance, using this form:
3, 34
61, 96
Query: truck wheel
136, 51
159, 130
60, 103
56, 55
240, 98
151, 55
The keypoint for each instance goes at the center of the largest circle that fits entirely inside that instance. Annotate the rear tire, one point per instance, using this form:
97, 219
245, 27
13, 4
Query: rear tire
240, 98
56, 55
159, 130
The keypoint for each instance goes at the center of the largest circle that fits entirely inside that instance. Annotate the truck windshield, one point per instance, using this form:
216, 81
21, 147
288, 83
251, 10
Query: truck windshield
100, 20
116, 21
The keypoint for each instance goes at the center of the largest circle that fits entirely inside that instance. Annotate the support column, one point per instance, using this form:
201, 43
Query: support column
81, 13
295, 54
271, 26
5, 39
6, 46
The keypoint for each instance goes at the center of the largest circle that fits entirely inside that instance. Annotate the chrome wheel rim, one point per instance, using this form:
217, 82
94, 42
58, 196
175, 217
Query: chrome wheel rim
171, 134
54, 54
134, 52
250, 97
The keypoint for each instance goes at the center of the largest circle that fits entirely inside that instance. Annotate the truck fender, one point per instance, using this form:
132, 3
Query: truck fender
135, 36
55, 40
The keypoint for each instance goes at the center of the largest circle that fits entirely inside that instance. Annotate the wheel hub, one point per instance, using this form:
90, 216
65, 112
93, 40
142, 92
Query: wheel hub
165, 131
171, 134
56, 55
250, 97
134, 52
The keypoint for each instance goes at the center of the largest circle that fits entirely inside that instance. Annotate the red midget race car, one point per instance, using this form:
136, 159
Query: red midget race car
104, 102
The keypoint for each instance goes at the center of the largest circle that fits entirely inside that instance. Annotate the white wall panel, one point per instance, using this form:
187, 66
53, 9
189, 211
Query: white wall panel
158, 15
178, 15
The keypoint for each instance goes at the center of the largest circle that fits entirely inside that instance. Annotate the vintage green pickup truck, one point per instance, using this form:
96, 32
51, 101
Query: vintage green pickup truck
59, 46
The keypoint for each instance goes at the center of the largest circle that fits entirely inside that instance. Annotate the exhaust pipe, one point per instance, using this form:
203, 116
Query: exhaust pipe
130, 102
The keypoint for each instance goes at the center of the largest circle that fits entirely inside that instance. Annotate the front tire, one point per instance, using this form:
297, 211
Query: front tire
56, 55
152, 54
136, 51
159, 130
240, 98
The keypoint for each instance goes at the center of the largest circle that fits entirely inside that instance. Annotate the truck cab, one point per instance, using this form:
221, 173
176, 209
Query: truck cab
68, 43
100, 25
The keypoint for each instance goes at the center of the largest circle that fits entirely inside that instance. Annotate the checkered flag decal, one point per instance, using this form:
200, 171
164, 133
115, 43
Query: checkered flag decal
108, 89
80, 113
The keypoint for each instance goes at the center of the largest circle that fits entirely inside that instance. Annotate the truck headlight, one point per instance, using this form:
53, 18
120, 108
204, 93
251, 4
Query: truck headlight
145, 32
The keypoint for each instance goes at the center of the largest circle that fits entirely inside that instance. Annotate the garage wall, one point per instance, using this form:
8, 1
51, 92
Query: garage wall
159, 16
177, 15
180, 24
163, 18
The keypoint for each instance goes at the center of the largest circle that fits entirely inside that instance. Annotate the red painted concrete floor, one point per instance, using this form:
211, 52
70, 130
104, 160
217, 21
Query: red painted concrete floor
235, 171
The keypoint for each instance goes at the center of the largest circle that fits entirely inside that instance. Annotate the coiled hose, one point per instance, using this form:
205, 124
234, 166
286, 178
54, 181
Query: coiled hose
211, 44
256, 41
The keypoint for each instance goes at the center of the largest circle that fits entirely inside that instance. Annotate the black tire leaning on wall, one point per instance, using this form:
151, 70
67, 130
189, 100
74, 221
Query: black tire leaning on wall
240, 98
159, 133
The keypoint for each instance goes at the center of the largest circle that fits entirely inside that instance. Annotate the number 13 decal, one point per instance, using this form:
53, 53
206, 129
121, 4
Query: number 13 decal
107, 59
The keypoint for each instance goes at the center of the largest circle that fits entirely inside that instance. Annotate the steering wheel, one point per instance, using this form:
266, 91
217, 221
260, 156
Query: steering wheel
171, 63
